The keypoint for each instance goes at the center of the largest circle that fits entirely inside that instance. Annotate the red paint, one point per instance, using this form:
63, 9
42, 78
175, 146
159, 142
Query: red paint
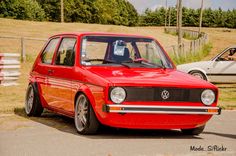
58, 86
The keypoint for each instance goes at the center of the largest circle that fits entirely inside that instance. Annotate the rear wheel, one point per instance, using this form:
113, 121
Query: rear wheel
193, 131
33, 105
198, 74
85, 118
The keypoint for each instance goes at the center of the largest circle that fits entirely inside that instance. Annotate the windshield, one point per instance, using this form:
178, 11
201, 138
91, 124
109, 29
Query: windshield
122, 51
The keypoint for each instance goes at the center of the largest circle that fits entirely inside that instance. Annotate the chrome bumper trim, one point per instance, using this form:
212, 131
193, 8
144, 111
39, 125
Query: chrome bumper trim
116, 108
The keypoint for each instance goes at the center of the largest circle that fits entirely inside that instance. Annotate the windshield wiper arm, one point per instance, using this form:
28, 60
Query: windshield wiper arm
96, 59
162, 64
153, 64
125, 64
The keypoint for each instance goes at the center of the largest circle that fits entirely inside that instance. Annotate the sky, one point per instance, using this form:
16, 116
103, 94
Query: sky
141, 5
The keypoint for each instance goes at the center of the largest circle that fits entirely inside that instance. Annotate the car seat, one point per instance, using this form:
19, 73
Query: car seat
69, 59
122, 58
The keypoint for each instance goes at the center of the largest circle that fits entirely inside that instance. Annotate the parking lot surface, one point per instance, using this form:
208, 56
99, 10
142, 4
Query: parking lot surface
53, 134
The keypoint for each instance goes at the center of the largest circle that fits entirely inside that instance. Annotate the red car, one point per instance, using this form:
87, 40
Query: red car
119, 80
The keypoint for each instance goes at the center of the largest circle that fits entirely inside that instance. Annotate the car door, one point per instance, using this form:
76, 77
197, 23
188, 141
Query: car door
60, 76
224, 68
43, 66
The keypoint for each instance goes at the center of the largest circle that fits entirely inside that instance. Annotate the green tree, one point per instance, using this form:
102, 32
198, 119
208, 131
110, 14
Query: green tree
118, 12
153, 18
22, 9
211, 18
51, 9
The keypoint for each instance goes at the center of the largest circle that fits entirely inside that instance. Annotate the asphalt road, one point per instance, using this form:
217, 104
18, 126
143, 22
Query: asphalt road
55, 135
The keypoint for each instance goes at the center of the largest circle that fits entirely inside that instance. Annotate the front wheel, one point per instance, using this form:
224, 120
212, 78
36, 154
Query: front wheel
33, 105
193, 131
85, 118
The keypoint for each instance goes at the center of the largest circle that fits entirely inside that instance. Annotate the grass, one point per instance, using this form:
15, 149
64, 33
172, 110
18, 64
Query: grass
174, 33
193, 57
12, 97
189, 37
227, 96
186, 36
220, 39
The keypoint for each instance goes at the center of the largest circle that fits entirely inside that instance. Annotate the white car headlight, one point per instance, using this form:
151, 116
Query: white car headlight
208, 97
117, 95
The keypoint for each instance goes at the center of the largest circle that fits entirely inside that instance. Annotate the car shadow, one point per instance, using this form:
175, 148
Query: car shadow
231, 136
66, 124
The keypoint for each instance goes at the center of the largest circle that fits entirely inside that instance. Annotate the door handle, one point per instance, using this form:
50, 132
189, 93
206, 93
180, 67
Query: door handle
50, 71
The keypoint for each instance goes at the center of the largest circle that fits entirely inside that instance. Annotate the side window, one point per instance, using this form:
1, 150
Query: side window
229, 55
66, 52
49, 51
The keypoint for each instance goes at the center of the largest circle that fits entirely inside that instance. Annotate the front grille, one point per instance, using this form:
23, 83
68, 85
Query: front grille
155, 94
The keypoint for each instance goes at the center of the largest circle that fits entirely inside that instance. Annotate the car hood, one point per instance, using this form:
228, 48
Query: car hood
148, 77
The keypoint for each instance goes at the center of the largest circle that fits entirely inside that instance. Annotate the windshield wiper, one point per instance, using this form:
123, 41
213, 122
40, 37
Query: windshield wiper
141, 63
126, 64
151, 64
96, 59
163, 66
146, 63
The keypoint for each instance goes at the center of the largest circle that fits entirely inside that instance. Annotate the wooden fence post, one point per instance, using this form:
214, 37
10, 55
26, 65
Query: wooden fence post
194, 46
191, 47
23, 54
175, 52
184, 51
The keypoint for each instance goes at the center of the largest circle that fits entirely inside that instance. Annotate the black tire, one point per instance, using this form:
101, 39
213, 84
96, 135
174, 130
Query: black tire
193, 131
198, 74
85, 119
33, 105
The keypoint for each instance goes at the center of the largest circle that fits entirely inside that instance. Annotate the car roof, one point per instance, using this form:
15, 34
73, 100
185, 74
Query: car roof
233, 46
99, 33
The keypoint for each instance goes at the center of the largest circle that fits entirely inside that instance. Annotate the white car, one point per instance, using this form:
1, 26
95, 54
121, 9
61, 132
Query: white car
220, 69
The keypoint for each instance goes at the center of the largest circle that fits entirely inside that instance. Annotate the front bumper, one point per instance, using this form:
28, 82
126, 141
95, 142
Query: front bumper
144, 109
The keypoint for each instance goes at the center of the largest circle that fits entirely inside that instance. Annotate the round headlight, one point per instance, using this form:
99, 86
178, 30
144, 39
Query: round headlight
118, 95
208, 97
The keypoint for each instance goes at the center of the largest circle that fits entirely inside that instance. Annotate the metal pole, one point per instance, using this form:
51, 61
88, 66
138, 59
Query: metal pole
62, 11
200, 19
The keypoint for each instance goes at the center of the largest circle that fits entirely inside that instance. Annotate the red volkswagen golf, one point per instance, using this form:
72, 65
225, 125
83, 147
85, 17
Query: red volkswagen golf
119, 80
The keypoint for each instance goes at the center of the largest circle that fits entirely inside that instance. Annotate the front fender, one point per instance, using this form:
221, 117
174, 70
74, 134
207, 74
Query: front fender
85, 90
96, 97
198, 69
